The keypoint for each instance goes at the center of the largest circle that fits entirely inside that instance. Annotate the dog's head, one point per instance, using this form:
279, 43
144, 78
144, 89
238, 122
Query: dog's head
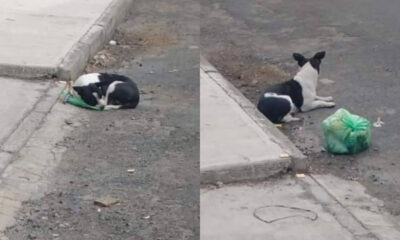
315, 61
91, 94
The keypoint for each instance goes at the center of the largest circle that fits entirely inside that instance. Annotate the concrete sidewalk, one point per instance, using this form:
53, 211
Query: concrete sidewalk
293, 208
237, 143
47, 37
228, 213
41, 38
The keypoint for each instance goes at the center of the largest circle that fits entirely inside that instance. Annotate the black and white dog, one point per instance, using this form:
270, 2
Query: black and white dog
279, 101
108, 91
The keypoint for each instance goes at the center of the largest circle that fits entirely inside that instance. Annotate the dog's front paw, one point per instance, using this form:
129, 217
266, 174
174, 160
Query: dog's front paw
295, 119
329, 99
330, 104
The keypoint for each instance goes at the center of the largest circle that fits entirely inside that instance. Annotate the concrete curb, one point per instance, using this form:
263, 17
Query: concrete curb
237, 173
298, 160
27, 72
75, 61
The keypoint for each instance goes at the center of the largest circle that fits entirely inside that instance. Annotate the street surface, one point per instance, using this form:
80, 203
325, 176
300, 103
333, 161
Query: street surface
251, 43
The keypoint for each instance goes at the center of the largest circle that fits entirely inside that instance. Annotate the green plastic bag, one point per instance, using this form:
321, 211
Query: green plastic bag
346, 133
77, 101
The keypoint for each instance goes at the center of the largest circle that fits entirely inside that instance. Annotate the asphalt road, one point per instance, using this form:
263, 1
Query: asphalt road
159, 140
251, 42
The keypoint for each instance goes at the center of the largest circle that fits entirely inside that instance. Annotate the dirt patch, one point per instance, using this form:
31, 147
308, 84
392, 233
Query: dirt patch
150, 35
132, 39
102, 59
247, 72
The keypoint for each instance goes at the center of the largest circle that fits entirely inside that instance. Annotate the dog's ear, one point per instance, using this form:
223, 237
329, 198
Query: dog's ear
319, 55
301, 60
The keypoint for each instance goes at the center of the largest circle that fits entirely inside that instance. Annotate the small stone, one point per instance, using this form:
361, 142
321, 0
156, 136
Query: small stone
32, 236
106, 201
219, 184
68, 121
254, 82
284, 155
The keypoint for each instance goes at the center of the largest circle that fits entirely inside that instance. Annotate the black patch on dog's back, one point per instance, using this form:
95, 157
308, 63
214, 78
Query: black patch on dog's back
108, 78
125, 94
105, 79
292, 88
274, 108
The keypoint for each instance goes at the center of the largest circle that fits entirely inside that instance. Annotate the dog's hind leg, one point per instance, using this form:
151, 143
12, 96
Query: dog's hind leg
317, 104
290, 118
325, 99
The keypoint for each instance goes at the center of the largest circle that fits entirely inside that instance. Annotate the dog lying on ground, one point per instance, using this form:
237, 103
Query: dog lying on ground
108, 91
280, 101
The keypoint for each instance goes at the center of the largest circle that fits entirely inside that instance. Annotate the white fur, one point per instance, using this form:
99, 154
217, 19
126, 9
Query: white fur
307, 77
87, 79
111, 89
289, 118
97, 97
110, 107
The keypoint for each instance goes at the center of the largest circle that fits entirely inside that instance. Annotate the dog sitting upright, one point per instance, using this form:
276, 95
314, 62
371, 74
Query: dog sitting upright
279, 101
109, 91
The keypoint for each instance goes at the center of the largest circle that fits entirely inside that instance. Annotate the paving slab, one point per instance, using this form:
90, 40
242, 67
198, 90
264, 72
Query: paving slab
236, 144
228, 213
38, 34
17, 99
26, 177
366, 209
